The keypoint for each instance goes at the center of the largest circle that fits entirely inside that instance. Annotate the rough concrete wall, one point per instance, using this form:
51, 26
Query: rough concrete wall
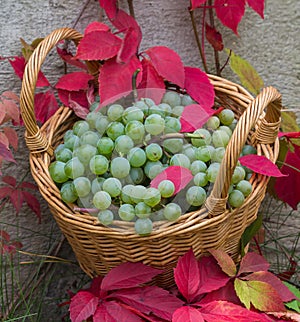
270, 45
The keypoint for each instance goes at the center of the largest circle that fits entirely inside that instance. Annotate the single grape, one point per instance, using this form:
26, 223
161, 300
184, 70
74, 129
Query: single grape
63, 154
133, 113
181, 160
72, 142
154, 124
173, 145
196, 196
218, 154
126, 212
248, 149
200, 179
68, 193
153, 168
85, 153
155, 109
171, 98
212, 171
57, 172
153, 152
165, 108
101, 200
105, 145
142, 210
114, 112
198, 166
245, 187
137, 193
238, 174
204, 138
123, 144
136, 176
136, 157
92, 118
74, 168
80, 127
142, 106
143, 226
82, 186
67, 135
152, 197
226, 129
189, 150
135, 130
97, 184
177, 110
172, 124
89, 137
126, 193
233, 125
187, 100
220, 138
101, 124
204, 153
172, 211
114, 130
213, 123
113, 186
166, 188
236, 198
119, 167
106, 217
226, 116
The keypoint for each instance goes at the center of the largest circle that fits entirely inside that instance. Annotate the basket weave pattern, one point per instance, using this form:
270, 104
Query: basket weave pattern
99, 248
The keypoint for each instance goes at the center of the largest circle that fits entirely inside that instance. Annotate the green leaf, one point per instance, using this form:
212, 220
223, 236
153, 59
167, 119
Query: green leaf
261, 295
249, 77
289, 122
294, 304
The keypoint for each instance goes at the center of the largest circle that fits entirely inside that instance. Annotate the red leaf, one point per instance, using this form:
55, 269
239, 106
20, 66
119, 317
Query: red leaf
223, 311
28, 185
17, 199
225, 261
180, 176
110, 7
198, 86
124, 21
12, 136
98, 45
79, 97
130, 45
197, 3
167, 63
194, 117
119, 313
260, 164
6, 154
128, 275
291, 169
4, 235
258, 6
292, 135
214, 38
70, 59
10, 180
253, 262
150, 299
152, 85
267, 277
115, 80
187, 314
82, 306
74, 81
79, 110
5, 192
101, 314
9, 110
32, 203
187, 276
96, 25
95, 287
230, 12
45, 105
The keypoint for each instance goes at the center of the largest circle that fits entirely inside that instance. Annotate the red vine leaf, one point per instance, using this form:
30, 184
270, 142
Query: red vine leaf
198, 86
130, 45
180, 176
110, 7
96, 25
32, 203
123, 21
258, 6
253, 262
214, 37
79, 110
230, 12
83, 305
10, 180
152, 85
12, 136
69, 58
45, 105
197, 3
225, 261
261, 164
74, 81
80, 97
187, 314
291, 135
119, 313
6, 154
17, 199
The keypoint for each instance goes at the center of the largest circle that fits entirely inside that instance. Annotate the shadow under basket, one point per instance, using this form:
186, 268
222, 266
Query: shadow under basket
99, 248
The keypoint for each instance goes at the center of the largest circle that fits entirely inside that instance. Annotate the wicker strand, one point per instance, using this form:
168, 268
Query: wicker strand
266, 133
38, 143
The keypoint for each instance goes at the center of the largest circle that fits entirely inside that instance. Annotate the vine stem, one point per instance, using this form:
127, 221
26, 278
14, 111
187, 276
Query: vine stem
131, 8
80, 13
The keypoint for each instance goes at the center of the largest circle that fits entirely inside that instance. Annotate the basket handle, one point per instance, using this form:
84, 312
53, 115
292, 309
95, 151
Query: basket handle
266, 126
35, 139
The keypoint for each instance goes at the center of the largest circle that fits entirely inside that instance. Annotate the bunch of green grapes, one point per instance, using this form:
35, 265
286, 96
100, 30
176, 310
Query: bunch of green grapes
107, 161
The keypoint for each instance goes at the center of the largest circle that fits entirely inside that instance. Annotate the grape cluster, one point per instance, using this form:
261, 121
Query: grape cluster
107, 161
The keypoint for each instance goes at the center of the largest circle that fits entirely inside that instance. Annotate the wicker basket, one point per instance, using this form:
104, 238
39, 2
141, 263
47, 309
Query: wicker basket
99, 248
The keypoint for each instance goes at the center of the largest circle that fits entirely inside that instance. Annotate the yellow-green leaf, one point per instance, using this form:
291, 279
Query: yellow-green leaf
289, 122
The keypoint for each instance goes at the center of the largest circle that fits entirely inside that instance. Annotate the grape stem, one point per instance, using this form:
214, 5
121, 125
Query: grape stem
134, 90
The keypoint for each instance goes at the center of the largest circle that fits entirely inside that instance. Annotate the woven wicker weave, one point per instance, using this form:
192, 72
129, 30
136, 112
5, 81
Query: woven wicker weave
99, 248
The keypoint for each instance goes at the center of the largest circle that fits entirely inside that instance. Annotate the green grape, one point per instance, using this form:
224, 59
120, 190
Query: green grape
63, 154
67, 135
248, 149
136, 157
143, 226
212, 171
123, 144
152, 197
138, 193
200, 179
142, 210
89, 137
82, 186
155, 109
204, 153
126, 212
136, 175
196, 196
245, 187
148, 101
172, 211
94, 105
85, 153
119, 167
101, 200
74, 168
153, 168
171, 98
106, 217
165, 108
135, 130
126, 193
86, 202
154, 124
181, 160
114, 130
233, 125
187, 100
204, 138
72, 142
97, 184
177, 110
101, 124
105, 145
172, 124
226, 116
132, 113
92, 118
189, 150
114, 112
213, 123
220, 138
68, 193
57, 172
236, 198
218, 154
80, 127
113, 186
153, 152
166, 188
198, 166
173, 145
226, 129
238, 174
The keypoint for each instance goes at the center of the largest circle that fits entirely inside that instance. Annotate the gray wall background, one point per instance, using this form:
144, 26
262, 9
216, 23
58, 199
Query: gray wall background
270, 45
